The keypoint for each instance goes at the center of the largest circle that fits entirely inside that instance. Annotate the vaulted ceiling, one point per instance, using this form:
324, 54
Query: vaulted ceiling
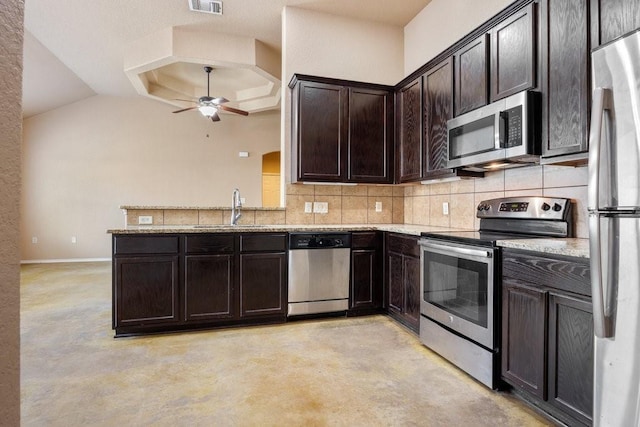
77, 49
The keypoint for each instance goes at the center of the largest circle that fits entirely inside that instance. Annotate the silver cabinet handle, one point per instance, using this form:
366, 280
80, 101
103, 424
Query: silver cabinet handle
601, 102
456, 249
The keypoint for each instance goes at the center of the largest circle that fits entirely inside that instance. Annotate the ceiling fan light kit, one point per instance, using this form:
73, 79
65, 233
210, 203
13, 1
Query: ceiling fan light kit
209, 106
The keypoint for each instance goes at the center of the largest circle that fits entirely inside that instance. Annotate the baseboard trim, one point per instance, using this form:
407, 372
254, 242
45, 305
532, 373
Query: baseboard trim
54, 261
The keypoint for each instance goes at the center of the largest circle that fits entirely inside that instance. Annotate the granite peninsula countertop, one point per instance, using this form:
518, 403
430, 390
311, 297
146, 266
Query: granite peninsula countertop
414, 230
568, 247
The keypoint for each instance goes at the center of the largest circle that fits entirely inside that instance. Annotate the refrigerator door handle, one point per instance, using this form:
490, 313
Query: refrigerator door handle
601, 102
602, 325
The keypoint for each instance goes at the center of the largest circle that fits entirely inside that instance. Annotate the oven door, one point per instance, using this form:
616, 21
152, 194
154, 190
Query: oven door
457, 288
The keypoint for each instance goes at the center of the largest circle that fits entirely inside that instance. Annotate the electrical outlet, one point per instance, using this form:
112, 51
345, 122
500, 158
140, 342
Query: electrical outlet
74, 240
378, 206
243, 200
34, 240
308, 207
445, 208
321, 207
145, 219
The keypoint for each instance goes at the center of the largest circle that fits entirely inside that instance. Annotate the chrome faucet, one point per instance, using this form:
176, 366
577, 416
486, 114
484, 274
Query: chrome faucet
236, 205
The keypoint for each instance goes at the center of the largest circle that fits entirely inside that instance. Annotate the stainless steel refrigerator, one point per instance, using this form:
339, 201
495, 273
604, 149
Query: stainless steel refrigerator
614, 230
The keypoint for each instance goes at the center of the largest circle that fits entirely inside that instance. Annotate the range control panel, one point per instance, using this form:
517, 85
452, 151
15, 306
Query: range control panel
525, 208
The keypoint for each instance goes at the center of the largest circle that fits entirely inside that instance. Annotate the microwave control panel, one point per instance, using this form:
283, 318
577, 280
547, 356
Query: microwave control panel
512, 126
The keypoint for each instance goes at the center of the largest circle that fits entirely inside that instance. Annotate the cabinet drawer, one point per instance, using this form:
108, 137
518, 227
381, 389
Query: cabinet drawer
365, 239
209, 243
263, 242
406, 245
145, 245
557, 271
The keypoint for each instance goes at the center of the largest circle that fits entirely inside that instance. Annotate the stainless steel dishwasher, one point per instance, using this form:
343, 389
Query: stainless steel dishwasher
318, 272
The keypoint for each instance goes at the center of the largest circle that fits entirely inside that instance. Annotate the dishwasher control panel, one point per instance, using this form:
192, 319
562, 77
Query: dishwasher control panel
319, 240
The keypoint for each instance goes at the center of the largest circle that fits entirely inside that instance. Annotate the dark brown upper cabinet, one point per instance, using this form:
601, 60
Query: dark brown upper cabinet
410, 131
611, 19
370, 143
566, 86
342, 131
513, 54
438, 109
320, 131
471, 75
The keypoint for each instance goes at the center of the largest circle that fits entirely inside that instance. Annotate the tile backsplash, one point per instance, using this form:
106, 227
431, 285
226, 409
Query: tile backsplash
444, 204
424, 203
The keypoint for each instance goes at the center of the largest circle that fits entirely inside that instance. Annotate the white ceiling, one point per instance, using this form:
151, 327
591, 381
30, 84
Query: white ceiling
75, 49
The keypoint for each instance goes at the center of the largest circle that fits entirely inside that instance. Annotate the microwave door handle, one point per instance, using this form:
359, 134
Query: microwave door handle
601, 102
498, 130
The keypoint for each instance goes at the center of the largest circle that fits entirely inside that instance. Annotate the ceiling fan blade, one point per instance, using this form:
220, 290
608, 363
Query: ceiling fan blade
185, 109
215, 117
220, 100
233, 110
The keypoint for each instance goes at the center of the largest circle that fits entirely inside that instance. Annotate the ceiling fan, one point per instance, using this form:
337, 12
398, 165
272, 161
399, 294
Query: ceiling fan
209, 106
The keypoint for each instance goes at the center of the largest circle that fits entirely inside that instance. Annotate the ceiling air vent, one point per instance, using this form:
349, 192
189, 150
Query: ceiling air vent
206, 6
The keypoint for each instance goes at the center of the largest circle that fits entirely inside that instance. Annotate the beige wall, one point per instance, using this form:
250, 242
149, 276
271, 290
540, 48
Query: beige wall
11, 27
326, 45
82, 161
440, 24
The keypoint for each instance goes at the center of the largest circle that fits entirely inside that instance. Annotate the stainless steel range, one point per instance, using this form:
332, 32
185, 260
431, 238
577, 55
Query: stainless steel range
460, 279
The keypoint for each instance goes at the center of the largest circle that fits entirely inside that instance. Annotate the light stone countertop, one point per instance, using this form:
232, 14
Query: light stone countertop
414, 230
568, 247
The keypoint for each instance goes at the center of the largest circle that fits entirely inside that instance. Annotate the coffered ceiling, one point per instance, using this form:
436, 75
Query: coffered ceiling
76, 49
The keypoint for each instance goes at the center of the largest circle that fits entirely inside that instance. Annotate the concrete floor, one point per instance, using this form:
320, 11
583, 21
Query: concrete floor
337, 372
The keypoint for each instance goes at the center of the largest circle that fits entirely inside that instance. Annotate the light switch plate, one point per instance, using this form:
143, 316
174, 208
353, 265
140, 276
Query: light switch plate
445, 208
378, 206
308, 207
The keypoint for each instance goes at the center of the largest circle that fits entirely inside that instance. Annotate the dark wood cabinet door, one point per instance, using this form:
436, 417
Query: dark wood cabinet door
410, 132
571, 355
263, 283
471, 78
364, 279
438, 109
370, 143
524, 328
209, 291
411, 281
146, 290
565, 77
513, 54
395, 285
321, 125
613, 18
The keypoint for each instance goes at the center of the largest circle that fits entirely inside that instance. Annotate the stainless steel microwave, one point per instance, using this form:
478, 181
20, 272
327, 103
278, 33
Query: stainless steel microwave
502, 134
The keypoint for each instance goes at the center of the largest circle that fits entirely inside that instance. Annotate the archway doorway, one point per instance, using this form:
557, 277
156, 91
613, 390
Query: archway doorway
271, 180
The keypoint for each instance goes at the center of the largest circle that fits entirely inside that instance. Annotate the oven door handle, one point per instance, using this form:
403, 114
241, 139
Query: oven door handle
457, 250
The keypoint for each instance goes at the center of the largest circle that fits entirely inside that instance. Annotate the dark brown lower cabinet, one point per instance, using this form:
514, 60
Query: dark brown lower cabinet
263, 281
547, 332
177, 282
571, 355
145, 290
403, 279
209, 291
524, 312
365, 294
